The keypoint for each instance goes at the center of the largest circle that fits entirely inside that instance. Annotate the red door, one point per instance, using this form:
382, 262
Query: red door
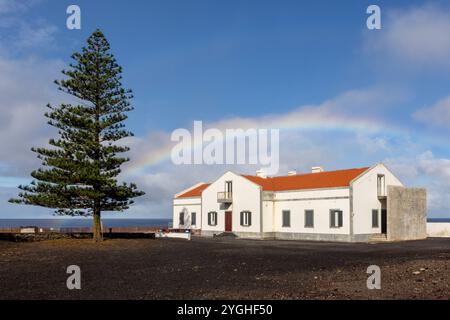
228, 221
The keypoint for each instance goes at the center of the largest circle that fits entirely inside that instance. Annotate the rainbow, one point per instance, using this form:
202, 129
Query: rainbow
296, 121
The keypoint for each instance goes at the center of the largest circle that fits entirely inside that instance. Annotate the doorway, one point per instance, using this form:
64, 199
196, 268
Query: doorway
228, 221
383, 221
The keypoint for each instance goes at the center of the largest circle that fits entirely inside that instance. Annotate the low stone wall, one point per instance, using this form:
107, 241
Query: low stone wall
205, 233
32, 237
438, 229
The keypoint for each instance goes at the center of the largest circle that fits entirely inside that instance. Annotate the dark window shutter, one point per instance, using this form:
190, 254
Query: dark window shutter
332, 219
249, 218
374, 225
209, 218
181, 221
215, 218
340, 219
242, 218
193, 218
286, 218
309, 218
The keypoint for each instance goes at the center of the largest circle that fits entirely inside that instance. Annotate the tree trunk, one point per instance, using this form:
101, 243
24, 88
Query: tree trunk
97, 225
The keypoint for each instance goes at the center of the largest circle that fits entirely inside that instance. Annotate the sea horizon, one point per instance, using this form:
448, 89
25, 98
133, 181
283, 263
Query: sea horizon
82, 222
67, 222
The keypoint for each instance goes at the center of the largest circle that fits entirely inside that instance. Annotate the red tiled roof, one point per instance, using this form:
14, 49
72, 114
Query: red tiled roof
326, 179
320, 180
195, 192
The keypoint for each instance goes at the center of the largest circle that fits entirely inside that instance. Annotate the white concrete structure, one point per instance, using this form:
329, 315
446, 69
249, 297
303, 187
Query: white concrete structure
344, 205
173, 235
438, 229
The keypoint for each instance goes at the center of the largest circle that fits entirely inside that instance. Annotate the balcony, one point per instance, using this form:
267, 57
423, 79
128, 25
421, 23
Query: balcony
224, 197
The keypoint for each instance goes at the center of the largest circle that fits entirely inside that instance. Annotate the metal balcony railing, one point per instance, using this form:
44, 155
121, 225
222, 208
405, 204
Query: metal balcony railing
225, 197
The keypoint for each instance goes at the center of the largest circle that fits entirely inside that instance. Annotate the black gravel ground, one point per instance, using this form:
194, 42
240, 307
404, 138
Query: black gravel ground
224, 269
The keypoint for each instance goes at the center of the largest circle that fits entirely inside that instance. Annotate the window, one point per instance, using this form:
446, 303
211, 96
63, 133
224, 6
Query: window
246, 218
229, 186
193, 218
336, 219
212, 218
381, 185
309, 218
181, 221
375, 223
286, 218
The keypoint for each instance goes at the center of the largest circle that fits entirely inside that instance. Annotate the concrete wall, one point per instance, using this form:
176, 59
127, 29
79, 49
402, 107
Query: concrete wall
438, 229
327, 237
406, 213
365, 199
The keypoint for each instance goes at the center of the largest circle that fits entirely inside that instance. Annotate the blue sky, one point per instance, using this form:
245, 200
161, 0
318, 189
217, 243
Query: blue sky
227, 61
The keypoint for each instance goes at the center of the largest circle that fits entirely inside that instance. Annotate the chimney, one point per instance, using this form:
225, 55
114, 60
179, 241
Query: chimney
261, 173
292, 173
317, 169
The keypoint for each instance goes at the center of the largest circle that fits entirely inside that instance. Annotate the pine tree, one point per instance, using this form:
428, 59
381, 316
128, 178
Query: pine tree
80, 172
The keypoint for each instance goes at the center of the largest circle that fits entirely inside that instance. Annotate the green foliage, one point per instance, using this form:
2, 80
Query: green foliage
79, 174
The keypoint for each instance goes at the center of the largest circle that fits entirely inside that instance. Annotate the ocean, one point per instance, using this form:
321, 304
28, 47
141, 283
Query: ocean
82, 223
438, 219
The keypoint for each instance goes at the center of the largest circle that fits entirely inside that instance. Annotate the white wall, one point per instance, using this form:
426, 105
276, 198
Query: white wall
438, 229
268, 212
187, 205
365, 198
321, 201
246, 197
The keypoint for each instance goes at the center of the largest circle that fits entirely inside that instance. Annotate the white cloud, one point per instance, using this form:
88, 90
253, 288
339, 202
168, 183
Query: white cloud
300, 149
25, 87
317, 139
358, 111
418, 36
310, 136
426, 170
436, 115
13, 6
34, 36
17, 33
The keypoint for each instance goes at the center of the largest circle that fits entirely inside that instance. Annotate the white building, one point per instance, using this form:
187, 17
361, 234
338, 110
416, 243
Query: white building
344, 205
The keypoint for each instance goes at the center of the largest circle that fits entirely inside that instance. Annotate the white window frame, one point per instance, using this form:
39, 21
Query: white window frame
336, 218
381, 185
212, 219
246, 218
